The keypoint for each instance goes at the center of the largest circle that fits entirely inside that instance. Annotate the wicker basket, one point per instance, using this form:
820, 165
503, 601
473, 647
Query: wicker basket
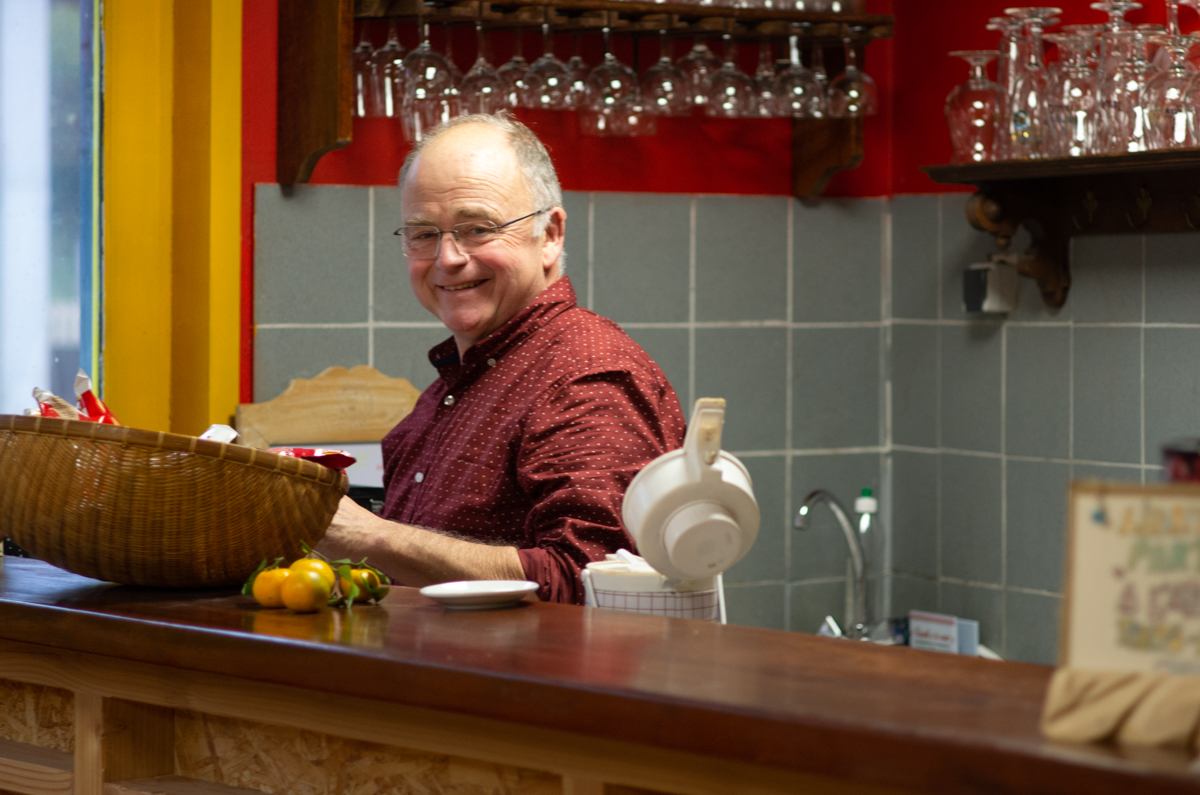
145, 508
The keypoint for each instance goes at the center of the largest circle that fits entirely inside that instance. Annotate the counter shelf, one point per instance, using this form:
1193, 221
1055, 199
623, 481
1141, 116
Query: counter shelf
548, 697
1058, 198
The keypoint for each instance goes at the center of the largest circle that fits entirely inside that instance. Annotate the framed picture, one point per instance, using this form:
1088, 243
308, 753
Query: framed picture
1131, 593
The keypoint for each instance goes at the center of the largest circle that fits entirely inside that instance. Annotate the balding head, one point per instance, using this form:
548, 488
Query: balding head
532, 159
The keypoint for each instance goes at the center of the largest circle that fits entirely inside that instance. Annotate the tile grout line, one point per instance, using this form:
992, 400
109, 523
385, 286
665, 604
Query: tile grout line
691, 304
591, 267
788, 397
1142, 358
885, 457
938, 412
371, 276
1003, 490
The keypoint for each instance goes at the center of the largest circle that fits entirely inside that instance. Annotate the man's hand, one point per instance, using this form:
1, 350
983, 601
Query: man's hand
352, 533
413, 555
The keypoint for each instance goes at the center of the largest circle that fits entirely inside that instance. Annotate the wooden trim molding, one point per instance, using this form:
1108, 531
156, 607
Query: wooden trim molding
577, 758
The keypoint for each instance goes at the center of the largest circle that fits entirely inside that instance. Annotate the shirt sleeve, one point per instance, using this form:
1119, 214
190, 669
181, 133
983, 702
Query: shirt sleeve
581, 447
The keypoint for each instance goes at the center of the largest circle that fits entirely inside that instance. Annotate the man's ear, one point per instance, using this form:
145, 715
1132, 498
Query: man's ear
553, 237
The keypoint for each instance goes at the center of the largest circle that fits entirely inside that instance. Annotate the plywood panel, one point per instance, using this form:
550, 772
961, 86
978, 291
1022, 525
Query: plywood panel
37, 715
282, 759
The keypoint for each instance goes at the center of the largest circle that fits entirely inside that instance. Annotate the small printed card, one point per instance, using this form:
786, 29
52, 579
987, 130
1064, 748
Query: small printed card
1131, 596
932, 631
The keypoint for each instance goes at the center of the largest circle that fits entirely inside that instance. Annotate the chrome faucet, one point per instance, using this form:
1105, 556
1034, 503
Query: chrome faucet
857, 560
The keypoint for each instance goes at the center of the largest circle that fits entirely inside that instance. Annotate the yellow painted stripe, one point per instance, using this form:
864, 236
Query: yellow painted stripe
172, 211
225, 210
137, 210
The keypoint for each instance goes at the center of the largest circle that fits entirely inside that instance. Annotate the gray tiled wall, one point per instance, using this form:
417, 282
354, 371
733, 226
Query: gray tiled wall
772, 305
981, 461
837, 334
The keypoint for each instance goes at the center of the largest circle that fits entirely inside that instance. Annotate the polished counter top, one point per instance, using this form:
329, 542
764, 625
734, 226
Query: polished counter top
874, 715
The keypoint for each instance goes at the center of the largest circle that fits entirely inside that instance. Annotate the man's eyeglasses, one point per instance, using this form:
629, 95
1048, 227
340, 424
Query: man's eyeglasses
426, 241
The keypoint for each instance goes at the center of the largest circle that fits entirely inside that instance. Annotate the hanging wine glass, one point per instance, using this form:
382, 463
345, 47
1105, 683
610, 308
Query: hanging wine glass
612, 93
548, 83
818, 68
430, 96
730, 90
456, 75
853, 93
1169, 107
482, 89
700, 64
579, 74
364, 80
798, 93
665, 87
971, 110
765, 82
1072, 103
388, 65
513, 72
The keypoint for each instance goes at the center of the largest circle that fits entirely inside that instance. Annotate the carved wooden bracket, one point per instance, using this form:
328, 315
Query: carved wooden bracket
1056, 199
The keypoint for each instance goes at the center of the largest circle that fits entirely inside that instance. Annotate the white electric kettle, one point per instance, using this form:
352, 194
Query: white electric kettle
692, 511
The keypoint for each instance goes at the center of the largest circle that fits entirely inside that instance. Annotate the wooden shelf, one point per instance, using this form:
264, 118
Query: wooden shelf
314, 115
1140, 193
33, 770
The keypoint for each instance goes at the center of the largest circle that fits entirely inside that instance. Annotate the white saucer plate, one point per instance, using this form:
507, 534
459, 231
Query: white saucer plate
479, 594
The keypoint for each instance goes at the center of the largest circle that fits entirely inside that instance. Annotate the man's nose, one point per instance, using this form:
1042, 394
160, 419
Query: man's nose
450, 251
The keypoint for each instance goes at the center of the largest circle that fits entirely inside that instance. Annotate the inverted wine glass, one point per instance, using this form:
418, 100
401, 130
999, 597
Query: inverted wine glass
1028, 117
1008, 66
1071, 104
766, 82
430, 96
798, 92
664, 86
514, 72
971, 110
388, 65
548, 83
853, 93
364, 80
482, 90
1170, 113
700, 64
730, 90
612, 94
579, 74
1122, 111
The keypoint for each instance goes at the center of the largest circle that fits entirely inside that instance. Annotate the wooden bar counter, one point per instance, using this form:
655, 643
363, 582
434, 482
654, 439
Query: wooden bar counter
113, 689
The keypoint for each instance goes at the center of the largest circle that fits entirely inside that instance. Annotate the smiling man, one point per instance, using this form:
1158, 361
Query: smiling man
514, 463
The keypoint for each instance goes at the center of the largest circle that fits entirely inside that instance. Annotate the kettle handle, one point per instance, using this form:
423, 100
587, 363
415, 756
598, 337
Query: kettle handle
702, 444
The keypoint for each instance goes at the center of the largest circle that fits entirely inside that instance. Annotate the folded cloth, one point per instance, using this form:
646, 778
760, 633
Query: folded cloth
1091, 706
1166, 716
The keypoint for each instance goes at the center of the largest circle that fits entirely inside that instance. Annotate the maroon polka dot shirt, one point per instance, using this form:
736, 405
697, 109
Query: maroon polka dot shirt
532, 439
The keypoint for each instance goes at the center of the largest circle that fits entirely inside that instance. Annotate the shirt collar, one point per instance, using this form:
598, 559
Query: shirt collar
545, 306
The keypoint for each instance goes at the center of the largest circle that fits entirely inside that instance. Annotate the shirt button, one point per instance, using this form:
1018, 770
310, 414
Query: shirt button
491, 362
420, 476
449, 400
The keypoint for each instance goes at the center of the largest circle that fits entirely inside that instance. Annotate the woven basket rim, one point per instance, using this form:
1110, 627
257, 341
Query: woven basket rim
170, 442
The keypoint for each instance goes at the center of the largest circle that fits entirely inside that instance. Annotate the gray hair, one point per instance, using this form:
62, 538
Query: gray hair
532, 159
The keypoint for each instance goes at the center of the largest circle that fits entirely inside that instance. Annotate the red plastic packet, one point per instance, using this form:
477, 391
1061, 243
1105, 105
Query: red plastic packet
51, 405
92, 407
334, 459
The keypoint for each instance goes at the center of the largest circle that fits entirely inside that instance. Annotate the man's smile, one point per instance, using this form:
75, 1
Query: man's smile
464, 286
